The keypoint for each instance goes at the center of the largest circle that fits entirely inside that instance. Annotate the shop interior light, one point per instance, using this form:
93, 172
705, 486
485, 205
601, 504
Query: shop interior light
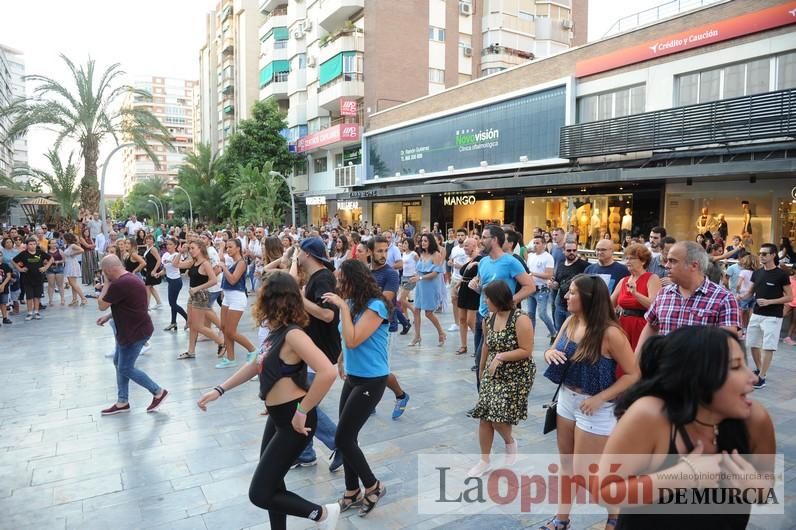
523, 158
375, 176
484, 163
422, 171
397, 173
450, 168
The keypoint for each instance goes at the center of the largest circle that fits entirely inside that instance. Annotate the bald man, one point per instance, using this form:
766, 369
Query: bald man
125, 295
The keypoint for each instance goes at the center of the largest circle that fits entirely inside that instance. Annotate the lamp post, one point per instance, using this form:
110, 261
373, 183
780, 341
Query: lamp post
157, 211
103, 211
290, 190
190, 205
162, 209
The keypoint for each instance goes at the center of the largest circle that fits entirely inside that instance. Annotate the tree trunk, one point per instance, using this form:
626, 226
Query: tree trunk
89, 187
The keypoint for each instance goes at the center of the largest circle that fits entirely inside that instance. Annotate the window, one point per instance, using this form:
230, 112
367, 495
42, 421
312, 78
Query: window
437, 34
352, 63
709, 85
490, 71
435, 75
757, 76
523, 15
301, 60
734, 80
613, 104
319, 165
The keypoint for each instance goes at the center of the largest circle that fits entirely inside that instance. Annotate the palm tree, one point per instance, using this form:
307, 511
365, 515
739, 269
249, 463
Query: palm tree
90, 111
200, 174
138, 200
254, 195
62, 181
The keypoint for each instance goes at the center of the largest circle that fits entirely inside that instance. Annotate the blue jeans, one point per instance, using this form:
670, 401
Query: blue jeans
560, 315
124, 360
396, 317
324, 430
478, 339
250, 276
540, 300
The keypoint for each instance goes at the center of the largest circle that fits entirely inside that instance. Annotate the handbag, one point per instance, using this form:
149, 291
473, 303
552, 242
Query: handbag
551, 409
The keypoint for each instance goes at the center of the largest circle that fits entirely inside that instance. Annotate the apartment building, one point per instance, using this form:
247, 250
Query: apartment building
172, 102
12, 86
228, 69
314, 55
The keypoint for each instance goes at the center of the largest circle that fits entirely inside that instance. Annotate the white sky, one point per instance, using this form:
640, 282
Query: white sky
148, 37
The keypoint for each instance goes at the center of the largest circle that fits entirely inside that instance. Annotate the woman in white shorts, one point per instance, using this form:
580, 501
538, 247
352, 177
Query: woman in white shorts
234, 304
584, 358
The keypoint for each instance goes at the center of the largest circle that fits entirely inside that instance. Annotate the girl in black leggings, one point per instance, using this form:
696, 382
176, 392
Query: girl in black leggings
282, 370
364, 365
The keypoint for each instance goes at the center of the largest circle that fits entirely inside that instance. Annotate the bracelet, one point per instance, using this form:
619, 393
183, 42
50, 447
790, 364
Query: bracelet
300, 410
693, 469
219, 389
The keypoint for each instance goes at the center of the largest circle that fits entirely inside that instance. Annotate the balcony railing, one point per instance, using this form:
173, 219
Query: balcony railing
758, 117
346, 176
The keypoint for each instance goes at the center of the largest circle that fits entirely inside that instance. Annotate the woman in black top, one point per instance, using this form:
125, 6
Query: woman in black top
292, 416
140, 240
151, 280
468, 300
690, 415
201, 277
133, 262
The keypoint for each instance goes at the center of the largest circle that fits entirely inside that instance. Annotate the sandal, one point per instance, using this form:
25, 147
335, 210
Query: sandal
350, 500
462, 350
222, 349
558, 524
367, 504
611, 521
186, 355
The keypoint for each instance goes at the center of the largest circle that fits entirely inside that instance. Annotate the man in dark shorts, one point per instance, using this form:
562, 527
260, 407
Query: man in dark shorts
33, 264
125, 295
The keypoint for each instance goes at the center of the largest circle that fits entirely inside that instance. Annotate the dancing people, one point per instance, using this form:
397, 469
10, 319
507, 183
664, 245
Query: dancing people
151, 268
201, 277
291, 402
233, 304
170, 259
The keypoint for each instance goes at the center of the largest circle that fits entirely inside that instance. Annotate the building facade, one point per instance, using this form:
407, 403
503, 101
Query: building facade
228, 69
314, 55
646, 127
172, 102
12, 86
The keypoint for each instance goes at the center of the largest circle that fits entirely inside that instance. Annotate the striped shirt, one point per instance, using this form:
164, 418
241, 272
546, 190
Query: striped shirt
709, 305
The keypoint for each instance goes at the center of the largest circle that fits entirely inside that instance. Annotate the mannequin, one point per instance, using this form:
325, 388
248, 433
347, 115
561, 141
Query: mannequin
746, 228
627, 223
705, 222
583, 226
614, 224
595, 228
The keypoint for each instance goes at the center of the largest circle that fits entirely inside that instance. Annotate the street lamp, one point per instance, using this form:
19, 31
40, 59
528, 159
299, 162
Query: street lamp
102, 183
289, 189
162, 209
190, 205
157, 211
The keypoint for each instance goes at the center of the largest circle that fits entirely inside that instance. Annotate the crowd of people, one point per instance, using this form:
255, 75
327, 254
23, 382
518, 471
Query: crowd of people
330, 301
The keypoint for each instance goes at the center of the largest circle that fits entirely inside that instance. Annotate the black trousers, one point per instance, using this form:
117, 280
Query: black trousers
175, 286
280, 447
357, 400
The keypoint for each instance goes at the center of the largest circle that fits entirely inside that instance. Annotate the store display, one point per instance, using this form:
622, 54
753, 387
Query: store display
627, 224
746, 227
706, 223
614, 225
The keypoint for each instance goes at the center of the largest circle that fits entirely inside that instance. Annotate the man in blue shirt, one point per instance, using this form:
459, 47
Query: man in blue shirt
387, 279
606, 268
497, 265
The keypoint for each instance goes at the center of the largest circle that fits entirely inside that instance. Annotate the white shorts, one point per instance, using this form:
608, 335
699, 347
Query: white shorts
602, 422
234, 300
763, 332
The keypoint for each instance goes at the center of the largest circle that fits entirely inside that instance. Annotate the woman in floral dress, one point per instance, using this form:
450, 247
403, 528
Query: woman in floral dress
507, 374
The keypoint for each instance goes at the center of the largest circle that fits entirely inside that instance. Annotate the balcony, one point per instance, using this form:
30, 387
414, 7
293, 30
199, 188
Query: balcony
277, 19
347, 176
552, 29
332, 13
296, 114
347, 86
765, 116
276, 89
352, 42
266, 6
228, 46
229, 109
297, 81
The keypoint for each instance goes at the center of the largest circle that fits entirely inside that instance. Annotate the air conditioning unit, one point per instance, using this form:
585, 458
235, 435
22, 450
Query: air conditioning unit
307, 25
310, 60
298, 34
566, 24
467, 51
465, 9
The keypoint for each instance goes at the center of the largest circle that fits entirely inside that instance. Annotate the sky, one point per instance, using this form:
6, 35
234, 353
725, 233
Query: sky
148, 37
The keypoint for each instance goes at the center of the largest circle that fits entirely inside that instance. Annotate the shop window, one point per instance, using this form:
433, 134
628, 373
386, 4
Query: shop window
613, 104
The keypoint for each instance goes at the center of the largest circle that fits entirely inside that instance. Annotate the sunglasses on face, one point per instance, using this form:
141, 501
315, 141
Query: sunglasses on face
764, 253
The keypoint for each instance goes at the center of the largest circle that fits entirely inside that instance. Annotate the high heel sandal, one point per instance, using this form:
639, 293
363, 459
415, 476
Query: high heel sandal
415, 342
348, 501
170, 327
367, 504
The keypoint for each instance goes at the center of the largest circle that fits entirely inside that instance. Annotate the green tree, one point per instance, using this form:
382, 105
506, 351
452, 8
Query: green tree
255, 196
61, 180
89, 110
258, 140
201, 176
137, 201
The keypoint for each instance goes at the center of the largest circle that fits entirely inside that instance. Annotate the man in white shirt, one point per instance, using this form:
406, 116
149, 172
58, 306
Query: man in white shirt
457, 259
254, 251
542, 266
132, 226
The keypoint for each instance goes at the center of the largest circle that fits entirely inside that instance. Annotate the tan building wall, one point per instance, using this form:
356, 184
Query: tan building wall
563, 65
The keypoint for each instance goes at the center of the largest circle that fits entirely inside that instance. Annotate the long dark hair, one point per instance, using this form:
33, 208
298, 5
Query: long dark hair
358, 285
279, 301
684, 369
432, 244
598, 313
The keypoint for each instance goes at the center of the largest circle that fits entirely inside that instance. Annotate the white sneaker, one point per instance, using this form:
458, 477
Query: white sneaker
157, 306
332, 515
478, 470
110, 354
146, 348
453, 327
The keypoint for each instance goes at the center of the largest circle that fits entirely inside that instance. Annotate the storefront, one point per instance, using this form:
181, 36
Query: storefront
349, 211
317, 211
394, 214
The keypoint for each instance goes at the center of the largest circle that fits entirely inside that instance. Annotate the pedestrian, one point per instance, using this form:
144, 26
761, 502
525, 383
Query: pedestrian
409, 261
33, 264
606, 267
125, 295
427, 293
291, 401
89, 261
72, 270
457, 257
542, 267
55, 274
467, 299
133, 262
507, 373
634, 294
6, 277
744, 291
692, 418
170, 259
233, 305
565, 272
153, 264
201, 277
589, 347
364, 366
771, 290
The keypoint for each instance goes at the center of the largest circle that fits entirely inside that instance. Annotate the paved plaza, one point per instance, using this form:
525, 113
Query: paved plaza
62, 465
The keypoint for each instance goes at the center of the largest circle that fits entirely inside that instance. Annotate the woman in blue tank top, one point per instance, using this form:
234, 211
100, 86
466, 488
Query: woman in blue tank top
583, 359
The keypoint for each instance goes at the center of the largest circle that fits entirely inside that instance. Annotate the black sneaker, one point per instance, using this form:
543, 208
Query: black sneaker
7, 321
406, 329
335, 461
761, 383
756, 371
303, 463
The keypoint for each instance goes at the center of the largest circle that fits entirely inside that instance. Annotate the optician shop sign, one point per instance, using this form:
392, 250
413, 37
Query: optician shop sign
498, 133
754, 22
342, 132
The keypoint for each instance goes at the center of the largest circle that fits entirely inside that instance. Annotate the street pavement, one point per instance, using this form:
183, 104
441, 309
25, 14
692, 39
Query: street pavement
64, 466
